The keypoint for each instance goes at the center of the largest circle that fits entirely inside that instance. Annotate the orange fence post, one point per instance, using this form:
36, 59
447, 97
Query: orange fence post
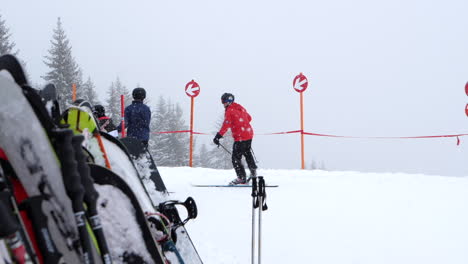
73, 92
191, 132
302, 132
192, 89
300, 84
122, 114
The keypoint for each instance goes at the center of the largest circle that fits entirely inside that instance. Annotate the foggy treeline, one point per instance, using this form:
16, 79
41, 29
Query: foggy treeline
168, 149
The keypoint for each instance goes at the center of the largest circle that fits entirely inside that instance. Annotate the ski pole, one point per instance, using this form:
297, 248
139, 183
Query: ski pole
253, 154
263, 206
73, 186
7, 198
225, 149
90, 199
10, 231
254, 205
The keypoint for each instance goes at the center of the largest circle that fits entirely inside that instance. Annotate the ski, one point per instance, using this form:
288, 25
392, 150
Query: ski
230, 186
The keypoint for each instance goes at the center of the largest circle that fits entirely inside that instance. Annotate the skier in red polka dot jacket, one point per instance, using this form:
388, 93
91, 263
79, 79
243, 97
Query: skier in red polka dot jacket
238, 120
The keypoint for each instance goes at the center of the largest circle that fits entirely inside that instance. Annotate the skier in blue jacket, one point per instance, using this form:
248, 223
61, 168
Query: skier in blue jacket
138, 117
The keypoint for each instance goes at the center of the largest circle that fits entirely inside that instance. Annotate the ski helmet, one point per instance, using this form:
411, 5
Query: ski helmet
99, 111
227, 98
139, 93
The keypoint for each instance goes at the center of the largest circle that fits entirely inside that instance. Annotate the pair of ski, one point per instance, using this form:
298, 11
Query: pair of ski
115, 155
43, 160
249, 184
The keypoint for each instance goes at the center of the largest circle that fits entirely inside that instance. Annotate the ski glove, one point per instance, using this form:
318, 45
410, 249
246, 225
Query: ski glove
216, 138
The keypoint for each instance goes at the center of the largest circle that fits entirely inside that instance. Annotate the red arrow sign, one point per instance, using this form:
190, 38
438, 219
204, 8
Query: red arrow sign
466, 88
192, 88
300, 83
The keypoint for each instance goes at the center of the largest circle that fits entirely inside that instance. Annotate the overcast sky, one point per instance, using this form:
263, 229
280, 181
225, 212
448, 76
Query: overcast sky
375, 68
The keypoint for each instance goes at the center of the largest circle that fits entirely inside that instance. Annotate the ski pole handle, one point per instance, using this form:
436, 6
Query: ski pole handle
262, 193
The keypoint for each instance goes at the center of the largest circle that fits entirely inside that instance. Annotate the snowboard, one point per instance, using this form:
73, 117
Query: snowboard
124, 220
27, 146
145, 162
141, 155
119, 162
81, 120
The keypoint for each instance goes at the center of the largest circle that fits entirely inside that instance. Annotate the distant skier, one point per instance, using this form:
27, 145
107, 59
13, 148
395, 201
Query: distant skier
238, 120
138, 117
105, 122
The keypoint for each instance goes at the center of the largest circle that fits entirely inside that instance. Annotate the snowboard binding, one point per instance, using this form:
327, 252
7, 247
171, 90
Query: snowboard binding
168, 208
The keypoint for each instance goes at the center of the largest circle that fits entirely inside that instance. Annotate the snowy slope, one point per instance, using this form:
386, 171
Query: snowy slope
329, 217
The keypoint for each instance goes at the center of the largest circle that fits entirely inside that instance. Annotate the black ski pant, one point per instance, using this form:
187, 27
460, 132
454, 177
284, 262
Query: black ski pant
239, 149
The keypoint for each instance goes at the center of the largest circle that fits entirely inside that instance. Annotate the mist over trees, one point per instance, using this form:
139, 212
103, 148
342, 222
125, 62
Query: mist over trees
168, 149
6, 44
64, 70
215, 157
89, 92
113, 104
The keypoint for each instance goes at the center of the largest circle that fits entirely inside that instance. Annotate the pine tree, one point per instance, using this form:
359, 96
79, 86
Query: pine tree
114, 108
89, 92
313, 165
80, 94
64, 71
219, 157
6, 45
203, 158
169, 149
179, 142
159, 145
122, 90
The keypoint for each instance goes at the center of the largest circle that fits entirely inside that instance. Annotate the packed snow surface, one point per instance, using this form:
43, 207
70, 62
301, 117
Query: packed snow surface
328, 217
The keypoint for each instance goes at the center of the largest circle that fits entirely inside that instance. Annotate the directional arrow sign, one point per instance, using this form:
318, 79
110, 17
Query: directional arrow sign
466, 88
192, 88
300, 83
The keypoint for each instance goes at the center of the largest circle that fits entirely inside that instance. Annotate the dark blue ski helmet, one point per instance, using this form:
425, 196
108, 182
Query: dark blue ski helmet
139, 93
